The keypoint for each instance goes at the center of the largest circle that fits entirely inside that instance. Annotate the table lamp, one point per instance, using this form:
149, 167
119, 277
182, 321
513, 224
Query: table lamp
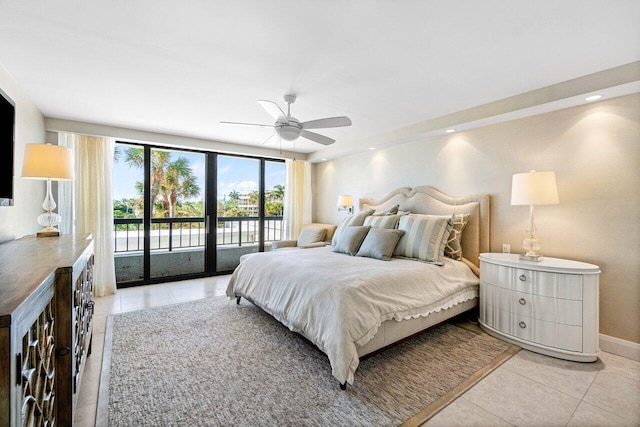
48, 162
533, 188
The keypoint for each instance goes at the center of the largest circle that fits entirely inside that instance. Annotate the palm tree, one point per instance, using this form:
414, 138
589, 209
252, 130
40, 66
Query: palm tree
277, 194
170, 180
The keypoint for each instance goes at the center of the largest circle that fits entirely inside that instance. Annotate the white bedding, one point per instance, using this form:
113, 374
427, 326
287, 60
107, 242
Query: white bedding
338, 301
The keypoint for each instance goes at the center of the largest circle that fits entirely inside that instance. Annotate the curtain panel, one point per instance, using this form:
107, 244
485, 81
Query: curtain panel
297, 197
94, 205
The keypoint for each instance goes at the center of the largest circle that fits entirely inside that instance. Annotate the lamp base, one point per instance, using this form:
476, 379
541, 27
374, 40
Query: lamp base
47, 233
535, 258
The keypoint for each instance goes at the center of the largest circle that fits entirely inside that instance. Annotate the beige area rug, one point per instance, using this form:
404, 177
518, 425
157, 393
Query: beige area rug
212, 362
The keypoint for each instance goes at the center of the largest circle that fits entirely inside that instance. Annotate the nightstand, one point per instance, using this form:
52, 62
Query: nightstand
550, 307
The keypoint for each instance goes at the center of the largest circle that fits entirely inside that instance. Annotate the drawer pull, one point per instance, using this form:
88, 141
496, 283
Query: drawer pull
522, 278
522, 325
522, 301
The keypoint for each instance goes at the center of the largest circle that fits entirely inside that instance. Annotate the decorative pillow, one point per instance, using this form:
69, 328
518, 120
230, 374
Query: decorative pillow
453, 246
425, 237
348, 221
391, 211
351, 239
379, 221
311, 234
380, 243
330, 228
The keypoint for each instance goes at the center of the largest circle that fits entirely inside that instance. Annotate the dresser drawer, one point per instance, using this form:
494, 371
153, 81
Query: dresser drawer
567, 286
557, 310
550, 334
497, 275
496, 318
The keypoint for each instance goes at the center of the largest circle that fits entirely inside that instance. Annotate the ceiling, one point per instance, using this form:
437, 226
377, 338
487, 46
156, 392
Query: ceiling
180, 68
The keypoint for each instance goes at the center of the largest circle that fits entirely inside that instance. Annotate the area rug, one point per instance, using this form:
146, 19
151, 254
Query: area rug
211, 362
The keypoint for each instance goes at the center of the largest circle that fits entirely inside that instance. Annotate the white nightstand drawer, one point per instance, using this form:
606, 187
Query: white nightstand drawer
497, 275
550, 334
568, 312
496, 318
567, 286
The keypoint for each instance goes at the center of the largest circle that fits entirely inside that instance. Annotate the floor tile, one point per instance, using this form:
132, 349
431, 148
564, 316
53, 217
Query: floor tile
522, 401
616, 392
463, 413
627, 367
572, 378
588, 415
85, 416
90, 384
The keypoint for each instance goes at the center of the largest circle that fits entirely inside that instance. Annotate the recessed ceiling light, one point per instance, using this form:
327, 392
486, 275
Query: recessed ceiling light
372, 148
323, 159
593, 97
450, 130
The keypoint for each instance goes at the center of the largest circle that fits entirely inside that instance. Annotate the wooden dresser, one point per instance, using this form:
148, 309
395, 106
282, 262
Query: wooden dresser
46, 310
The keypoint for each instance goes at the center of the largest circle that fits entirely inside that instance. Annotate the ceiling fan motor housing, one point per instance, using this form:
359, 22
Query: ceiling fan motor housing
288, 129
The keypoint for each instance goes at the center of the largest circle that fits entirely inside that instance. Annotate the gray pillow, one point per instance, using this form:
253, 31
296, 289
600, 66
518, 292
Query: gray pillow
380, 243
391, 211
311, 234
351, 239
357, 219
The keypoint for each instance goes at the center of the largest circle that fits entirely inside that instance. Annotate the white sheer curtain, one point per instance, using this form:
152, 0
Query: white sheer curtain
65, 190
297, 197
94, 205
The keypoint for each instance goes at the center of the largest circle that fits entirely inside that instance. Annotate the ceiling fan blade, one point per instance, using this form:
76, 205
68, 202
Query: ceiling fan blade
316, 137
272, 109
329, 122
246, 124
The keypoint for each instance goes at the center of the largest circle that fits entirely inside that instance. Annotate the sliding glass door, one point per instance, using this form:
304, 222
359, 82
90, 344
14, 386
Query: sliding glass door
177, 227
250, 197
180, 213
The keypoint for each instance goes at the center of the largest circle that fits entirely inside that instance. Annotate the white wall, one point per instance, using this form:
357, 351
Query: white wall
20, 219
594, 150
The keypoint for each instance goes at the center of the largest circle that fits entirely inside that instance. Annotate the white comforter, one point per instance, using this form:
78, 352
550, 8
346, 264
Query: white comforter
339, 301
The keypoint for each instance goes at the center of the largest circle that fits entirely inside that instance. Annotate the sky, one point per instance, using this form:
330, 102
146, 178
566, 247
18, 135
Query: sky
234, 173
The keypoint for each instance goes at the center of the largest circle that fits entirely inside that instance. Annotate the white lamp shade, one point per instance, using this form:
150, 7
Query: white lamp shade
345, 200
534, 188
46, 161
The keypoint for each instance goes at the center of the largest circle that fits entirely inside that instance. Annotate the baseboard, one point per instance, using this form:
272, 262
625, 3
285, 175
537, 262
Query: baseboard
628, 349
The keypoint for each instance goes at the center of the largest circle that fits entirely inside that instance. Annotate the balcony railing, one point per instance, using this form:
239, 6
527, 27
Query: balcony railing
175, 233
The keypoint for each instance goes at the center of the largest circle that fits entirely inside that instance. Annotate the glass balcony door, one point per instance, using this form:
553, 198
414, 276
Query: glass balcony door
177, 232
181, 213
250, 197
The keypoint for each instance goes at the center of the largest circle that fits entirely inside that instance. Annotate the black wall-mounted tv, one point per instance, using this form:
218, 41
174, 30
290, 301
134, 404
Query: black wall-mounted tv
7, 122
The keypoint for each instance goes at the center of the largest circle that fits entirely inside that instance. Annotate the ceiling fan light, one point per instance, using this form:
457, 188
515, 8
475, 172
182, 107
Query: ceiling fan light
288, 133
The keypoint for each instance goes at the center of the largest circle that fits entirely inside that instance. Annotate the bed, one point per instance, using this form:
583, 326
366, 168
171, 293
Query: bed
352, 306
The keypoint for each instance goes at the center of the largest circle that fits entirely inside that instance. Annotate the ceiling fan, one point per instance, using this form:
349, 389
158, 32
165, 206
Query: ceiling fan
289, 128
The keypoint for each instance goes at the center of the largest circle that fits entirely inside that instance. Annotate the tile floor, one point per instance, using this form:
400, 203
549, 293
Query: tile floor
527, 390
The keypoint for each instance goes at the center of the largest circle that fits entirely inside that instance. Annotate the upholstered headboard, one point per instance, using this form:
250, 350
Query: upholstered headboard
427, 200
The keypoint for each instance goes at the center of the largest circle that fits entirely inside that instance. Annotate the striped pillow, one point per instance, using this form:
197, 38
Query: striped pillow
357, 220
386, 221
424, 237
